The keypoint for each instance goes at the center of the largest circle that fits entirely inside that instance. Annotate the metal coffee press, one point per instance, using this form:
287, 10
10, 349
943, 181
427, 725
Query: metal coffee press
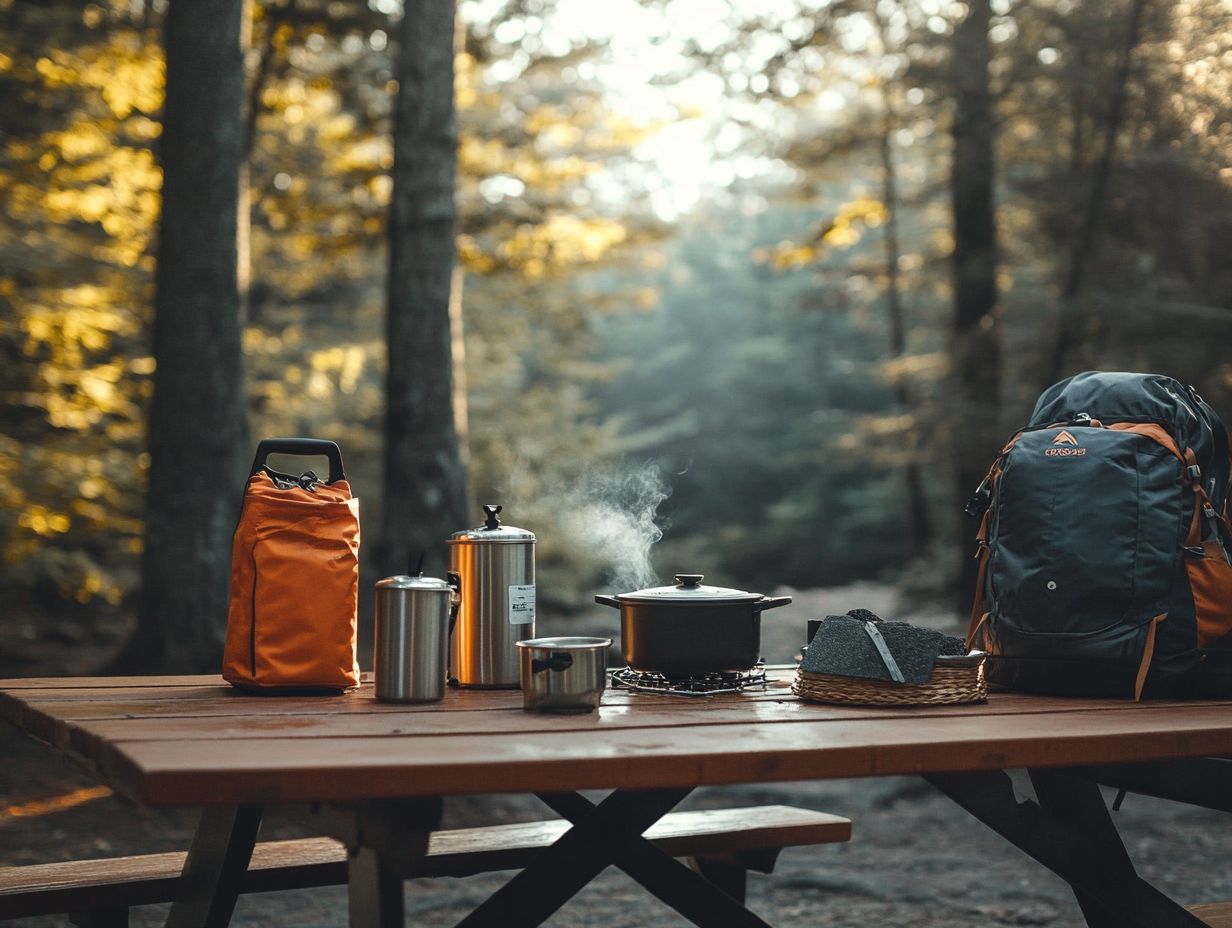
411, 644
494, 569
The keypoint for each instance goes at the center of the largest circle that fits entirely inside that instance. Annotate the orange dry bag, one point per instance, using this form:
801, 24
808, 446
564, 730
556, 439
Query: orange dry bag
294, 577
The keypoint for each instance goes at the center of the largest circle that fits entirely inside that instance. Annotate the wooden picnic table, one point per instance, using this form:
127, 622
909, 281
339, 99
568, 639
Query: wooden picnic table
373, 774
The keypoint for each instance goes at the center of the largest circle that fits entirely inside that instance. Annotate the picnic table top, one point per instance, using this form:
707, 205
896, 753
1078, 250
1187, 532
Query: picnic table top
193, 740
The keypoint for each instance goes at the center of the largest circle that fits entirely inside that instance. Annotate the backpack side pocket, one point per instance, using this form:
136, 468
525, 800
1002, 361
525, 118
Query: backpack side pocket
1210, 578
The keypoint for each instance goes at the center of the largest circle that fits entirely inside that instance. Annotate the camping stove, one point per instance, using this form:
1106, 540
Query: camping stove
709, 684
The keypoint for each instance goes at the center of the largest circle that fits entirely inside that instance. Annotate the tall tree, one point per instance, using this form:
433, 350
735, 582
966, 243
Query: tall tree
976, 352
198, 434
197, 431
424, 483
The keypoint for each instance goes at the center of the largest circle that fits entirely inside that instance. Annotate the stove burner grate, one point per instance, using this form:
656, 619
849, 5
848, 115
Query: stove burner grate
709, 684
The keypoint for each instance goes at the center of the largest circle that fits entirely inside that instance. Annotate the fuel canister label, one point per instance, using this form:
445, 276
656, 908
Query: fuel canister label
521, 605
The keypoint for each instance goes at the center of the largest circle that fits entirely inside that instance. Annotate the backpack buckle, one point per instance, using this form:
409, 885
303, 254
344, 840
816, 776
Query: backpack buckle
1194, 472
979, 501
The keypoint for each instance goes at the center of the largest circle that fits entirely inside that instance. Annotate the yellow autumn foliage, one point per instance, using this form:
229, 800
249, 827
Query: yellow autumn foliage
127, 71
844, 230
42, 521
562, 241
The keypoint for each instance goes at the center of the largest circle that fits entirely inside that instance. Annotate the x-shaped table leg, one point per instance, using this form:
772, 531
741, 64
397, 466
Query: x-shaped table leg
603, 834
215, 867
1070, 832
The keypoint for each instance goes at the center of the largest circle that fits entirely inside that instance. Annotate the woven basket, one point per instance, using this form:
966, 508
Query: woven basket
954, 679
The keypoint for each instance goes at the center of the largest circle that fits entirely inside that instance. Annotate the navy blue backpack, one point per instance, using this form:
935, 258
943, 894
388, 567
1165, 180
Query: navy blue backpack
1104, 544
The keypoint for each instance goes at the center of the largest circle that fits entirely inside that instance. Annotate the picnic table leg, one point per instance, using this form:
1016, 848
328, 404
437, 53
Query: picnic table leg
1069, 832
576, 858
386, 842
729, 876
215, 867
1081, 804
688, 892
374, 892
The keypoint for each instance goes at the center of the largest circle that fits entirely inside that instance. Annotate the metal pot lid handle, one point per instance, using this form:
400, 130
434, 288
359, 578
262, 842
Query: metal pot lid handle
492, 531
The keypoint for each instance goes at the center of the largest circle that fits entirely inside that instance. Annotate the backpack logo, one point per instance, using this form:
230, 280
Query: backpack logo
1065, 445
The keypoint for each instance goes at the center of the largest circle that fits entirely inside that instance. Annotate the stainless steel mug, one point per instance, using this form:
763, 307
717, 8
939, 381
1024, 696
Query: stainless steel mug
411, 644
494, 568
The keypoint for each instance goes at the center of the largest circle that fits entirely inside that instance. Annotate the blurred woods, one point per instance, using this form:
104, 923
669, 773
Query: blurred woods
796, 266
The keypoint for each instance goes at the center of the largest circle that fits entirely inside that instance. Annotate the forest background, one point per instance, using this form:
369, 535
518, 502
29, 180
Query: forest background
772, 280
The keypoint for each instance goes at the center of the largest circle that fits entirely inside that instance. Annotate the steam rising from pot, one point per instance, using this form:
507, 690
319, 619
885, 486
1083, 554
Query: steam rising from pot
612, 517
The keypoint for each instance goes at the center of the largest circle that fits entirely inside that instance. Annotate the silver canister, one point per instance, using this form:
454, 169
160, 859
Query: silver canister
563, 674
411, 644
494, 569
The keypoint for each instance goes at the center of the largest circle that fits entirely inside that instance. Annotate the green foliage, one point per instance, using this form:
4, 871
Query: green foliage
752, 389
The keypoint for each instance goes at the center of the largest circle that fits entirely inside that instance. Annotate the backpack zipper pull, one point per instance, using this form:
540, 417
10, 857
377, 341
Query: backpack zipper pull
1084, 420
979, 500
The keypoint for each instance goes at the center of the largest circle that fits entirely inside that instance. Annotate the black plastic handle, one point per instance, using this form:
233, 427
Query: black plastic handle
561, 660
771, 602
301, 446
455, 597
604, 600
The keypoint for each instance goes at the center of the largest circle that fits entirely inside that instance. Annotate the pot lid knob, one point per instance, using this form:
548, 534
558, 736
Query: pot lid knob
493, 520
689, 581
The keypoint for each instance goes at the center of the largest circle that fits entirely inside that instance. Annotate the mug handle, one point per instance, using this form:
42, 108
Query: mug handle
555, 662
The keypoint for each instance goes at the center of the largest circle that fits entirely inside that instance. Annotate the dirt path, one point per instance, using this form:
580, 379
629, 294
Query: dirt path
915, 861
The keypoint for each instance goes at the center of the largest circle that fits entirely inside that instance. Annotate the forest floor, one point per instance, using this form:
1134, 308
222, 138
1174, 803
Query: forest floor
915, 860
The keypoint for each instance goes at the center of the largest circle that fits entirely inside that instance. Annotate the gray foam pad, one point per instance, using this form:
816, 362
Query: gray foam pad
842, 647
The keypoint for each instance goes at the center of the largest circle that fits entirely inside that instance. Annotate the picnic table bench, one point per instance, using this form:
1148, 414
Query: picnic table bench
373, 776
723, 845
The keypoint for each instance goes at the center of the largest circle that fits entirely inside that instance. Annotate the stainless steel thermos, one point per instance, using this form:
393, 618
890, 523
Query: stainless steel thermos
411, 644
493, 567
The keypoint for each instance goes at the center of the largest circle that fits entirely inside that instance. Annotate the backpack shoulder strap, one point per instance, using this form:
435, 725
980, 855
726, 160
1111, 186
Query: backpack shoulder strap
989, 483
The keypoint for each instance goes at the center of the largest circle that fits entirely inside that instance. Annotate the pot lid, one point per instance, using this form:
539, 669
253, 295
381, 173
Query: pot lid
403, 582
689, 588
566, 644
492, 531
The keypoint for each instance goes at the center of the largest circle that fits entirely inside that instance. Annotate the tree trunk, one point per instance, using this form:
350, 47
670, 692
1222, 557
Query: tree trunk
425, 485
975, 435
920, 524
198, 432
1069, 324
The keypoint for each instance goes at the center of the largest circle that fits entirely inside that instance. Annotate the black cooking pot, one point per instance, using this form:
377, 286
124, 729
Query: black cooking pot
689, 629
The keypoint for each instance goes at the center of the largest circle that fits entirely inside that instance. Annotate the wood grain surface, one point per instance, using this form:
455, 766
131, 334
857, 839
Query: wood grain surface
192, 740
